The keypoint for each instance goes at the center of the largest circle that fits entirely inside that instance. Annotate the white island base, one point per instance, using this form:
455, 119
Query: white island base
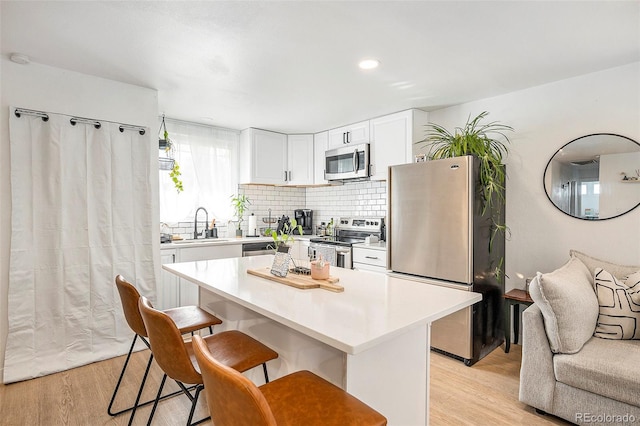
371, 340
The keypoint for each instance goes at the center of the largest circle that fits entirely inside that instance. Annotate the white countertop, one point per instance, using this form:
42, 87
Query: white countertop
373, 308
201, 242
380, 245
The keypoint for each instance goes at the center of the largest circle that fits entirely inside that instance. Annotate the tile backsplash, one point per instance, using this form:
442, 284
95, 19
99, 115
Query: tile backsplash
367, 198
281, 200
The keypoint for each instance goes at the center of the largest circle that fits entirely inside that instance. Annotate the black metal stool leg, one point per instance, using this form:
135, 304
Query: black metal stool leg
115, 391
144, 379
193, 404
155, 402
266, 376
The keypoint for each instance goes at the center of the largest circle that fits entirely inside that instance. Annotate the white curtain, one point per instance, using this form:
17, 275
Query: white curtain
81, 214
207, 157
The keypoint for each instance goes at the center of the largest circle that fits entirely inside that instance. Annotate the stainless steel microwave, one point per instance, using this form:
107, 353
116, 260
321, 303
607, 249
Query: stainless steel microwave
348, 162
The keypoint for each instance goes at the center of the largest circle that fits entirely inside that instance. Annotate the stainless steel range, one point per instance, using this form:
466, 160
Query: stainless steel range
336, 249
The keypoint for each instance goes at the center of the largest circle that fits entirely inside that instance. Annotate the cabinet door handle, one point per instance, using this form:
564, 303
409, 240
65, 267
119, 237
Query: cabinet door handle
344, 138
371, 257
348, 137
173, 256
289, 175
285, 175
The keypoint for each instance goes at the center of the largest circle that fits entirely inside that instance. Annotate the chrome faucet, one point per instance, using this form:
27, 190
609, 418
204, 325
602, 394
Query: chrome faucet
195, 223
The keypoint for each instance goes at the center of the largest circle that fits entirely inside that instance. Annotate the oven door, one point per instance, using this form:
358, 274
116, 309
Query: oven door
349, 162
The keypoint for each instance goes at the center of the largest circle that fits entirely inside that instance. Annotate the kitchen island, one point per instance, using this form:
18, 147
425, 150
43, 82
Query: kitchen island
371, 340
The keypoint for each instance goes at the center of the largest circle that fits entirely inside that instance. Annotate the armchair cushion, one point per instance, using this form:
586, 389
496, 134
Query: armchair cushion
603, 367
619, 303
569, 305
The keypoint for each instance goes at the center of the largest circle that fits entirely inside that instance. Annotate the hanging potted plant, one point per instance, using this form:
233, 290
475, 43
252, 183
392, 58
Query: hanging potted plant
239, 203
488, 142
168, 162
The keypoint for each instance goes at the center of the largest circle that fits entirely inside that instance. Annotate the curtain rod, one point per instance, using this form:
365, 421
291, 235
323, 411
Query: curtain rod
74, 120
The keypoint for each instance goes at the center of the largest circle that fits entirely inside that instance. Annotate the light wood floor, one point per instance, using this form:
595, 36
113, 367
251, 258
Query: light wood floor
485, 394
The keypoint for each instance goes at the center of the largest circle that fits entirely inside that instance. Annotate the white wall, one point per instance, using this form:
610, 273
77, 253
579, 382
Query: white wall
51, 89
545, 118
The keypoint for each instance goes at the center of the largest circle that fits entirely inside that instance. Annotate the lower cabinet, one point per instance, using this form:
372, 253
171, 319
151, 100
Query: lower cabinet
369, 259
300, 249
174, 291
168, 287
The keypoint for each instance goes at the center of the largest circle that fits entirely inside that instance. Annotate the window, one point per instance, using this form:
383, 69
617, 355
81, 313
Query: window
207, 157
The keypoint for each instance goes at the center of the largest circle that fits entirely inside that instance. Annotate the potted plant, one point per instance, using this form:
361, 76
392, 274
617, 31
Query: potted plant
239, 203
285, 236
169, 162
488, 142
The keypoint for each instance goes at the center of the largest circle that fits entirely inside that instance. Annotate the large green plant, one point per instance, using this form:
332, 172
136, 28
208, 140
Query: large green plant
486, 141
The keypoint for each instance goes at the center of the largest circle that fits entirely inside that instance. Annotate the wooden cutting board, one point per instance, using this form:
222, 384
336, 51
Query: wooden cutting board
299, 281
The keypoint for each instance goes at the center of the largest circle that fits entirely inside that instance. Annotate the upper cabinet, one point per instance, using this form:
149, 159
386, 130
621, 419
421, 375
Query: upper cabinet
392, 140
320, 145
275, 158
300, 160
263, 157
352, 134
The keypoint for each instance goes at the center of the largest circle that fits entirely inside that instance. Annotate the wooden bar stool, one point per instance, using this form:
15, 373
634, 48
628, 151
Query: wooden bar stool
301, 398
187, 318
235, 349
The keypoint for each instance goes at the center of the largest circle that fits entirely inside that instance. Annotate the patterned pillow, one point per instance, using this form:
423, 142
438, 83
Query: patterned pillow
619, 301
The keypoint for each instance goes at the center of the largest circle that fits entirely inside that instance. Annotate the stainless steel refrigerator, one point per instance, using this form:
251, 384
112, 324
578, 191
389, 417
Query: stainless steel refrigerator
437, 233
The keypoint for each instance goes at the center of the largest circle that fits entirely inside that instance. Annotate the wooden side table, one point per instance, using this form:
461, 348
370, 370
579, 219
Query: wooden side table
515, 298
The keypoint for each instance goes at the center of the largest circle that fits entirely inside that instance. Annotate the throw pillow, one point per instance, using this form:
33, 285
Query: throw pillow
619, 306
569, 306
618, 271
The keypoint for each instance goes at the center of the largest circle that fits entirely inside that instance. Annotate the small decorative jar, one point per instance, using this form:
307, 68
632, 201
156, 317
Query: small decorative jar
320, 269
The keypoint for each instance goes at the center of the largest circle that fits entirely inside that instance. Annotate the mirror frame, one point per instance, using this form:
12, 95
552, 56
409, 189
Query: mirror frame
544, 183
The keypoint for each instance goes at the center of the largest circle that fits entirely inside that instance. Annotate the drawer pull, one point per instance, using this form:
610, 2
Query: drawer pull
371, 257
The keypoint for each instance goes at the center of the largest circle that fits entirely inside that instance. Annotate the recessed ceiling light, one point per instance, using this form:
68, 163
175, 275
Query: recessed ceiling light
369, 64
19, 58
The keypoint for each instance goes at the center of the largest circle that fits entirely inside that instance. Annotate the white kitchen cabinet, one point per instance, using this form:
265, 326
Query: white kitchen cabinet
263, 157
320, 146
352, 134
300, 249
168, 288
275, 158
393, 138
174, 291
300, 159
372, 258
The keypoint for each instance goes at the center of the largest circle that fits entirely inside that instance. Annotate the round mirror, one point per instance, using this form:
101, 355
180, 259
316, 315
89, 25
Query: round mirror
595, 177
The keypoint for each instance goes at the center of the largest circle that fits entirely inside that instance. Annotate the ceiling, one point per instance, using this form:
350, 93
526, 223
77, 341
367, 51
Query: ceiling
292, 66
